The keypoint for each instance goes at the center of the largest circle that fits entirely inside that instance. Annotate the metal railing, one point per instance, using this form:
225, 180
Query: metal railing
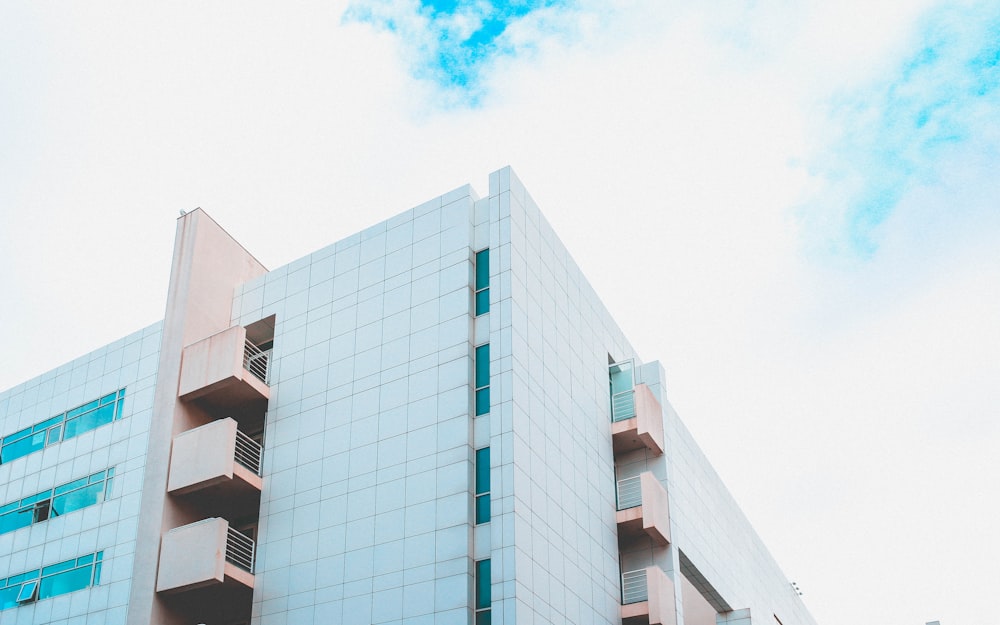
240, 550
623, 405
248, 452
255, 360
629, 493
634, 587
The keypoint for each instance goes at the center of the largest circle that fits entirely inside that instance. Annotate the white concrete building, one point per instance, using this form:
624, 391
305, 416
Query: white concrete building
433, 421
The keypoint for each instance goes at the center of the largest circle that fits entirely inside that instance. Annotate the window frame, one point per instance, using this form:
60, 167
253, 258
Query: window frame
482, 354
42, 505
54, 429
481, 492
481, 283
482, 605
30, 584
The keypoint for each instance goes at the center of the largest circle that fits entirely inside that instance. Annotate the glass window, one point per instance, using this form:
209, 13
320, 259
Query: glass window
483, 592
60, 427
483, 485
61, 583
89, 420
52, 580
79, 498
16, 519
482, 379
8, 596
482, 282
27, 592
65, 498
21, 447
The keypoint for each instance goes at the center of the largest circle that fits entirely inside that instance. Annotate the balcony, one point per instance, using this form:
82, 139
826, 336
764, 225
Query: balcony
215, 456
648, 597
206, 553
226, 369
642, 508
636, 420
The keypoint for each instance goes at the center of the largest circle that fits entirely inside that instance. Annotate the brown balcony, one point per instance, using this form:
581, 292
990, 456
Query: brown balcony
206, 553
642, 508
226, 369
215, 456
636, 420
648, 597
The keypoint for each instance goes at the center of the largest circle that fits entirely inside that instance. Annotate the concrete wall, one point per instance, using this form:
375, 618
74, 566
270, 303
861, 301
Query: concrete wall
366, 508
109, 526
564, 565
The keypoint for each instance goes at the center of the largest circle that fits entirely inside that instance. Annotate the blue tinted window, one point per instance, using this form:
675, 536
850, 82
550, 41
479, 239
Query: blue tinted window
71, 423
63, 499
483, 485
482, 282
482, 362
483, 589
52, 580
15, 519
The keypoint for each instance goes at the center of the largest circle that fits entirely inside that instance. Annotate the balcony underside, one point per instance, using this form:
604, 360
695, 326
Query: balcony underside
232, 577
240, 389
625, 436
632, 523
241, 483
220, 604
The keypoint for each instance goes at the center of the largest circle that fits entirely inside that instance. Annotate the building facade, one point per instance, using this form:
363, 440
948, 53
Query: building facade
433, 421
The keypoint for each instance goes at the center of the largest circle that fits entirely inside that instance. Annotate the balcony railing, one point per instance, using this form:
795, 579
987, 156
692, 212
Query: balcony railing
630, 492
248, 452
623, 405
634, 588
256, 360
240, 550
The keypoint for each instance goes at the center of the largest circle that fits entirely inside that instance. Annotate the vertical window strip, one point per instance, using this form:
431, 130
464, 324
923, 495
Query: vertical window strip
482, 379
483, 485
484, 600
50, 581
482, 282
68, 497
71, 423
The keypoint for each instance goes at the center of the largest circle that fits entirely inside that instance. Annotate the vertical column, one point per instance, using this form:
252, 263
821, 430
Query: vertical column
207, 265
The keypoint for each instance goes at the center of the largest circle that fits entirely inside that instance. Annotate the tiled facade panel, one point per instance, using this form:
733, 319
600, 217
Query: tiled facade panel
716, 536
565, 545
366, 508
109, 526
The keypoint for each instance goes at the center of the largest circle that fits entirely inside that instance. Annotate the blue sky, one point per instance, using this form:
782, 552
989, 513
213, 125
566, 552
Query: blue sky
897, 131
794, 206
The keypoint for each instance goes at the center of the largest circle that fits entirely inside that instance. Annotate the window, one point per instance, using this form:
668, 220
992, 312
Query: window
50, 581
482, 282
482, 379
42, 506
483, 485
483, 591
28, 592
61, 427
